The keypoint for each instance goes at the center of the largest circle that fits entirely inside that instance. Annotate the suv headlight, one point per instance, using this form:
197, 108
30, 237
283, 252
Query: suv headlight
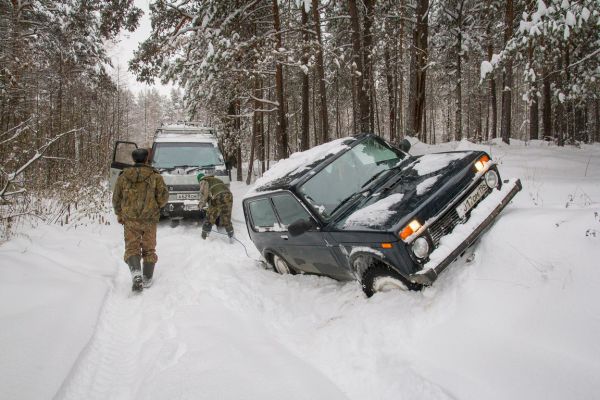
491, 178
420, 247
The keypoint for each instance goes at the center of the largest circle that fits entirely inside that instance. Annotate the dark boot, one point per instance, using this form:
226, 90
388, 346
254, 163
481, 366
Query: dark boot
229, 231
206, 227
135, 266
147, 275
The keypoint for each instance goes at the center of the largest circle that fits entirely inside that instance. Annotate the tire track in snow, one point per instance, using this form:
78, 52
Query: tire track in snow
107, 367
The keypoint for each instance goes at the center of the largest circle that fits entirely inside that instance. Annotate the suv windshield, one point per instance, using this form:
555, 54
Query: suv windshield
169, 155
347, 174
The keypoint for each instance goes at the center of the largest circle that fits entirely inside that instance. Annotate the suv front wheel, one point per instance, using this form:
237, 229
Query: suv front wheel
381, 278
281, 266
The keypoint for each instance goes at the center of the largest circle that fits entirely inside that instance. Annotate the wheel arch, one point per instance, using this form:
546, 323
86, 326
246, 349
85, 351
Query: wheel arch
361, 261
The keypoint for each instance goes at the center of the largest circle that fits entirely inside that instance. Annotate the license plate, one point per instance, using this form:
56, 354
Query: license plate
187, 196
468, 203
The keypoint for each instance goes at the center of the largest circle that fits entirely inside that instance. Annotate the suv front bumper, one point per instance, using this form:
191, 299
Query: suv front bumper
464, 235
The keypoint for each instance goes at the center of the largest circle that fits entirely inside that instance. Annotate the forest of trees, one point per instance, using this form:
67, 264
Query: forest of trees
283, 75
278, 76
62, 106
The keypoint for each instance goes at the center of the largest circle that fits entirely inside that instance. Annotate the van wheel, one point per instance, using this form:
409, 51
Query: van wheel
281, 266
381, 278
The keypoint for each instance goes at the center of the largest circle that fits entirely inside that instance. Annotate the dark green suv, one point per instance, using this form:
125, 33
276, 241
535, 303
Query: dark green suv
360, 209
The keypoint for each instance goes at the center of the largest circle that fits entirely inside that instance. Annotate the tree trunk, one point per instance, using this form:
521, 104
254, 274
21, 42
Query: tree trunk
458, 116
281, 133
368, 62
255, 128
389, 78
320, 70
547, 105
534, 124
596, 135
304, 136
358, 56
507, 77
420, 54
493, 99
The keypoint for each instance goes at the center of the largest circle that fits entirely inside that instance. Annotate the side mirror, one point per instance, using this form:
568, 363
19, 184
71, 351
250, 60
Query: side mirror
405, 145
299, 227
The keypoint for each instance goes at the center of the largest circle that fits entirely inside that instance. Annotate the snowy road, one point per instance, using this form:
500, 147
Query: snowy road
520, 321
185, 338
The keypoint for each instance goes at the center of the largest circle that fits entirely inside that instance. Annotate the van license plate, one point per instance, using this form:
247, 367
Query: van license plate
464, 207
187, 196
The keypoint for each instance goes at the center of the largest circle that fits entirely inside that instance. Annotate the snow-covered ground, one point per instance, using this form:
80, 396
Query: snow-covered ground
519, 321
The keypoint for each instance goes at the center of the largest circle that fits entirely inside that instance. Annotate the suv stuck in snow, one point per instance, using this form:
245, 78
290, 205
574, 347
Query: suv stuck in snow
179, 152
358, 208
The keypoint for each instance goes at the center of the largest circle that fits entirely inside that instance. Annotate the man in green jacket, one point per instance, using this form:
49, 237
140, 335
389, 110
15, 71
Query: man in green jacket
220, 202
139, 194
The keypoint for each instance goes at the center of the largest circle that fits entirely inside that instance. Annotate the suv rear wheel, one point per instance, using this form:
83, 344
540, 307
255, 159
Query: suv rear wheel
381, 278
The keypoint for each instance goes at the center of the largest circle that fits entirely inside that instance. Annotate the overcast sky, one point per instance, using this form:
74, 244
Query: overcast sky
122, 51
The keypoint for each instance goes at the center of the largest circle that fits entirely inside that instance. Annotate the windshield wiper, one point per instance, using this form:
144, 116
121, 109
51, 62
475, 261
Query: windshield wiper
347, 199
371, 179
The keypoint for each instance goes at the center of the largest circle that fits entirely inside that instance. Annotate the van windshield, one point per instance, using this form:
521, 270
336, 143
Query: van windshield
169, 155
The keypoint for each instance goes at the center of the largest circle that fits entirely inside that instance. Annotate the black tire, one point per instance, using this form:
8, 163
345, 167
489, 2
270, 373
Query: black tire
381, 278
281, 266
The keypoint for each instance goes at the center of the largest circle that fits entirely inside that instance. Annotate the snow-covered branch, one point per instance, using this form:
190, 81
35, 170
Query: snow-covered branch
10, 177
266, 101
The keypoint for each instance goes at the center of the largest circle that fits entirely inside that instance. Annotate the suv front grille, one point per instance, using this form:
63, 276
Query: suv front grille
448, 221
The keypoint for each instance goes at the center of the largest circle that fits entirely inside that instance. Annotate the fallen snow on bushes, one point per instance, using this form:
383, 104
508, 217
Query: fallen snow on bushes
519, 321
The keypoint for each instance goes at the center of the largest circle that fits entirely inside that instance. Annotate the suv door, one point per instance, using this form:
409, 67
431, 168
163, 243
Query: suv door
312, 251
121, 159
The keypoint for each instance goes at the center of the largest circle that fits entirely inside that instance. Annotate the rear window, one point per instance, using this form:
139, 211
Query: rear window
262, 214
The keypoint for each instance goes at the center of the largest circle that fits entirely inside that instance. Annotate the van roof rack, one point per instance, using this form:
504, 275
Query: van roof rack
184, 123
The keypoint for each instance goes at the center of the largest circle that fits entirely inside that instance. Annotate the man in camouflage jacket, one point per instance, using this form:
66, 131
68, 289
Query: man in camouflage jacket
139, 194
220, 202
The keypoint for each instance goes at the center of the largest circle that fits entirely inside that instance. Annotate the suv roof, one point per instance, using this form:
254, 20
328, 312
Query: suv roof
187, 131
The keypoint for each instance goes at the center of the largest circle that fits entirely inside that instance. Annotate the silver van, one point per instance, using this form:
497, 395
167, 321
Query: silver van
179, 152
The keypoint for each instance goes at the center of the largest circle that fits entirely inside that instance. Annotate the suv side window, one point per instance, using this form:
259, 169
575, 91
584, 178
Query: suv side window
288, 209
263, 216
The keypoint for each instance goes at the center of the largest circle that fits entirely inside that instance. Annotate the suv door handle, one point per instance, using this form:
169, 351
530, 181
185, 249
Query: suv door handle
284, 237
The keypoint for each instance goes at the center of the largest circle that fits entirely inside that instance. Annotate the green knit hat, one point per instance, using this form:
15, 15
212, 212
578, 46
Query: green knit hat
199, 176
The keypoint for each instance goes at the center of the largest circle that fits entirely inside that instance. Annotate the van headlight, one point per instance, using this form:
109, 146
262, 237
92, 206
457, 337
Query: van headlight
491, 178
420, 247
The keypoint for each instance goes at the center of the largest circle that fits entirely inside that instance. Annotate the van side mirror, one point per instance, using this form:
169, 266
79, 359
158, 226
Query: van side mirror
299, 227
405, 145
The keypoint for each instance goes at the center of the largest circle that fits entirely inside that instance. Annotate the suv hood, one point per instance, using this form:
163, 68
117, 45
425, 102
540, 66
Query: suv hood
420, 187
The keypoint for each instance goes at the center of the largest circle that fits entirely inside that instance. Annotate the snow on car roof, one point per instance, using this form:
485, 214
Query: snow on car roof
285, 171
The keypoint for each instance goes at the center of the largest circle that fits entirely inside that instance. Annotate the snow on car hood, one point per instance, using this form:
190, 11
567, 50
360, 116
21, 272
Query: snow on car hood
421, 186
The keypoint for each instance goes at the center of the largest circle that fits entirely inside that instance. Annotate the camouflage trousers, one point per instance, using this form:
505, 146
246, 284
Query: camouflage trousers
140, 240
220, 206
